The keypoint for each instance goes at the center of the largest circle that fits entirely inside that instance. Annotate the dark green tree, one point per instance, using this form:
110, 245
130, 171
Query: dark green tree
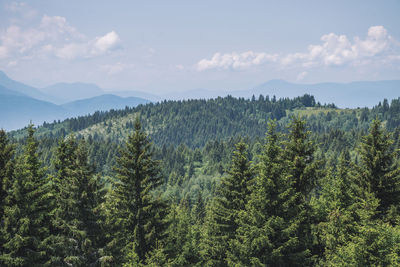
336, 208
137, 217
231, 198
183, 238
378, 171
76, 198
6, 177
26, 213
271, 223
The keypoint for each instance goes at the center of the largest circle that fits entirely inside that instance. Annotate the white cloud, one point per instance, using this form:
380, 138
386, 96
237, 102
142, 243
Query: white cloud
53, 36
105, 43
335, 50
235, 61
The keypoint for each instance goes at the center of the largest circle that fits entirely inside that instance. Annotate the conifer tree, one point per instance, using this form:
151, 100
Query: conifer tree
378, 171
231, 198
76, 198
6, 177
26, 212
137, 215
183, 239
305, 172
269, 227
336, 208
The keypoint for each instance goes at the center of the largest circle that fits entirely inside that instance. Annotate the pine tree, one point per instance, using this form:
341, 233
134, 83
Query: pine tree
137, 215
378, 171
270, 225
90, 196
231, 198
6, 177
76, 195
26, 212
305, 171
336, 207
182, 236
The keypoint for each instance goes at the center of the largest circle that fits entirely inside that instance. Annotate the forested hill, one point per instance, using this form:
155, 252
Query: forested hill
223, 186
195, 122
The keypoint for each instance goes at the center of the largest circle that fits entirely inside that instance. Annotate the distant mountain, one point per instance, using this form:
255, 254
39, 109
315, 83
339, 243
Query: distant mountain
17, 111
102, 103
5, 91
65, 92
351, 95
140, 94
24, 89
21, 103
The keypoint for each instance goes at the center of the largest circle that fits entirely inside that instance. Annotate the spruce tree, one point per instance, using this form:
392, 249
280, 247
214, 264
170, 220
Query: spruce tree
137, 214
90, 196
231, 198
270, 225
6, 177
182, 236
76, 198
336, 208
26, 212
378, 171
305, 172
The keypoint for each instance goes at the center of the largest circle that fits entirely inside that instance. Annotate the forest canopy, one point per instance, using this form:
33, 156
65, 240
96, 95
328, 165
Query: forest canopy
221, 182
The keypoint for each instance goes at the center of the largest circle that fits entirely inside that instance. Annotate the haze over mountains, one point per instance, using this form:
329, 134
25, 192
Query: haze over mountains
21, 103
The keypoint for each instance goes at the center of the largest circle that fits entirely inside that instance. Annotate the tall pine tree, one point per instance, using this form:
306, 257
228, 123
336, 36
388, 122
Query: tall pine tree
137, 215
270, 225
231, 198
76, 198
26, 212
378, 171
6, 177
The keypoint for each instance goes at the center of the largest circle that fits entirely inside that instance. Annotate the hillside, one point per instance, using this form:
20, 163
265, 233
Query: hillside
201, 146
195, 122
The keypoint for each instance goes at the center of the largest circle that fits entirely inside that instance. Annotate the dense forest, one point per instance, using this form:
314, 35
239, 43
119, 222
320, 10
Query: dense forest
220, 182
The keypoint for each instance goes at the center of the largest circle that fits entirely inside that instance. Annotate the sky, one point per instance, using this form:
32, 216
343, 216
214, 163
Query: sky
173, 46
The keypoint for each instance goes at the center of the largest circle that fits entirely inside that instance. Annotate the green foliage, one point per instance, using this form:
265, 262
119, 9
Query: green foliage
26, 211
76, 191
281, 201
231, 198
136, 215
273, 227
378, 171
6, 177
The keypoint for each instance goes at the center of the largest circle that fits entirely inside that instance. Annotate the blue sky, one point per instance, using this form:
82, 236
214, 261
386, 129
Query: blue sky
165, 46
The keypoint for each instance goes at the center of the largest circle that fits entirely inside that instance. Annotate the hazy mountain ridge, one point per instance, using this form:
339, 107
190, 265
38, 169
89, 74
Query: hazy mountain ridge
26, 90
66, 92
64, 100
21, 104
344, 95
101, 103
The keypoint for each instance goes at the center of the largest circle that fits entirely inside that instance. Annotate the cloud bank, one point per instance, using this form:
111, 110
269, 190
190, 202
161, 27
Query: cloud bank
53, 37
335, 50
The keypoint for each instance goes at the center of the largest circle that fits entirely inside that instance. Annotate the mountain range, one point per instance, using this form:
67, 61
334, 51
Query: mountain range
21, 103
